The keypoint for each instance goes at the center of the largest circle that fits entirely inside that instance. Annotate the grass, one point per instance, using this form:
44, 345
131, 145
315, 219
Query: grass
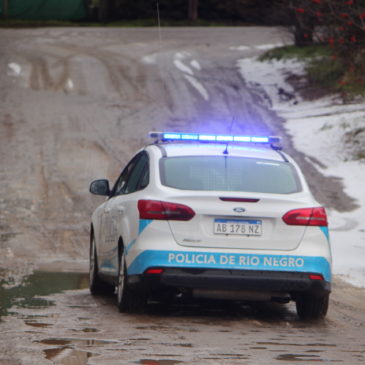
322, 69
301, 53
21, 23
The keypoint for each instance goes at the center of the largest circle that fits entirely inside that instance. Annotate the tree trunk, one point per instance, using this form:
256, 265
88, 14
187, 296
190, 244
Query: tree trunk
303, 37
5, 8
193, 10
105, 10
303, 32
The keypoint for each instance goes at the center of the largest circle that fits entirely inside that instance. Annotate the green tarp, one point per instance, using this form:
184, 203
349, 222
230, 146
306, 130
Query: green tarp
45, 9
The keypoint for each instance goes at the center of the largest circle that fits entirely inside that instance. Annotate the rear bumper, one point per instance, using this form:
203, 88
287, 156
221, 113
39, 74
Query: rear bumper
272, 282
231, 262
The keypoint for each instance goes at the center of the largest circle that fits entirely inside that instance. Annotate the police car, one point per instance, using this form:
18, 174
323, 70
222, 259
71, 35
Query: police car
211, 216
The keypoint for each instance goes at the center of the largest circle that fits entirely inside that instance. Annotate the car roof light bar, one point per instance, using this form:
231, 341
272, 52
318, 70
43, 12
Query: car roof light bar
217, 138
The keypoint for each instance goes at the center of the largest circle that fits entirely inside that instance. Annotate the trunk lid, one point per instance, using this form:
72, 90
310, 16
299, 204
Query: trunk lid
255, 224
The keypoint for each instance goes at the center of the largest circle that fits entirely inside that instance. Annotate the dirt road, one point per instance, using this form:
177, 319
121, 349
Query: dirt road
75, 104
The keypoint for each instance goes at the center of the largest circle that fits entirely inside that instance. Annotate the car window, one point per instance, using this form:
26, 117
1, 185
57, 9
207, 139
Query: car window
122, 180
120, 184
222, 173
138, 171
145, 177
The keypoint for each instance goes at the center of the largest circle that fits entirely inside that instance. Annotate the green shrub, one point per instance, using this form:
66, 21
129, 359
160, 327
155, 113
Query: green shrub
323, 69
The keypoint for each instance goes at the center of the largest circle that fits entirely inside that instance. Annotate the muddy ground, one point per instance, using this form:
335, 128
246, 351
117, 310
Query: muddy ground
74, 106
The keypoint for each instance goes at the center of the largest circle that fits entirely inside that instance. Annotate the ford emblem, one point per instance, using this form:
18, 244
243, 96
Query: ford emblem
239, 210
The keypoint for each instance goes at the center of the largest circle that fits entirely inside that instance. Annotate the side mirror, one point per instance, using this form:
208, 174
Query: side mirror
100, 187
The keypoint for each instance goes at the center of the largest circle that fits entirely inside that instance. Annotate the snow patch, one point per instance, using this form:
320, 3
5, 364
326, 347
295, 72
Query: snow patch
15, 69
149, 59
69, 84
182, 67
181, 55
322, 129
240, 48
266, 47
9, 253
189, 73
195, 64
198, 86
268, 78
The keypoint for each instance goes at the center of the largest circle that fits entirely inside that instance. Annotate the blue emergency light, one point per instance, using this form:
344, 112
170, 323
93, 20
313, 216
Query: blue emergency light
215, 138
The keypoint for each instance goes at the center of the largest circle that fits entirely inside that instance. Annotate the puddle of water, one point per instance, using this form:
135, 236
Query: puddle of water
66, 356
185, 344
75, 341
87, 330
258, 348
233, 357
55, 341
158, 362
27, 295
37, 324
317, 344
298, 357
64, 351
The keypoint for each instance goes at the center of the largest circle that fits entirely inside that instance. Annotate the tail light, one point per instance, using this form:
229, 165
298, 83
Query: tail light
306, 217
155, 209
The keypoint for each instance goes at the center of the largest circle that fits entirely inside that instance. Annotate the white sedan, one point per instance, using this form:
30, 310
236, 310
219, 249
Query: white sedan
211, 216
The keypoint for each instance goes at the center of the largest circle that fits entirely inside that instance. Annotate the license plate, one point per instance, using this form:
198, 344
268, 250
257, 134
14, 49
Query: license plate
238, 227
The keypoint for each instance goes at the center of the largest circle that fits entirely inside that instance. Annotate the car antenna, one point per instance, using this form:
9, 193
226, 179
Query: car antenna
225, 152
159, 23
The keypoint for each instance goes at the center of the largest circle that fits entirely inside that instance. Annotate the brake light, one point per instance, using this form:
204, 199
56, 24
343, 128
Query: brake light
315, 277
155, 209
154, 271
306, 217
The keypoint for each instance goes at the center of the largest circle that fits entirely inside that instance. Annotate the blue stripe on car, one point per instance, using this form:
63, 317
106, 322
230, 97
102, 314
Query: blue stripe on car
143, 224
157, 258
326, 232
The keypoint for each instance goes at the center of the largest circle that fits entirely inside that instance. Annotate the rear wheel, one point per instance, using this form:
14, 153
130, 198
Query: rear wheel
96, 286
127, 300
312, 307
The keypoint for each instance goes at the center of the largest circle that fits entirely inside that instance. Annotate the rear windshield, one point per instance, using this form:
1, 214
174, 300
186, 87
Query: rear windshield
222, 173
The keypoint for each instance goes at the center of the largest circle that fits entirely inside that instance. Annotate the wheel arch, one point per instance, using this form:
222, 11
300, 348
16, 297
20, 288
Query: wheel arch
91, 231
121, 247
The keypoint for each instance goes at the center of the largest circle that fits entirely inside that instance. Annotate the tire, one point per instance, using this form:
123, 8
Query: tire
128, 301
96, 286
312, 307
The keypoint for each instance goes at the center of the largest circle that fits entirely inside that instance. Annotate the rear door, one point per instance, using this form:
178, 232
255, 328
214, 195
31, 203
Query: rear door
120, 211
